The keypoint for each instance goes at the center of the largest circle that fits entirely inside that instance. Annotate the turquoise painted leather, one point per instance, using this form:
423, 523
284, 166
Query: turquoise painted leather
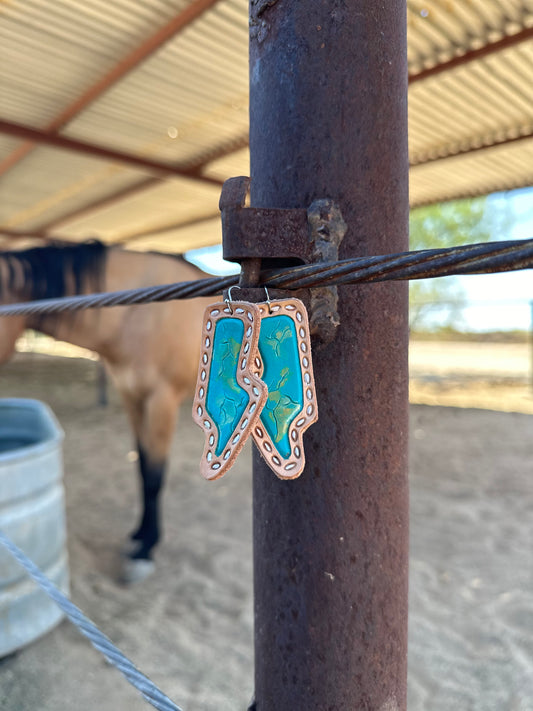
278, 346
225, 399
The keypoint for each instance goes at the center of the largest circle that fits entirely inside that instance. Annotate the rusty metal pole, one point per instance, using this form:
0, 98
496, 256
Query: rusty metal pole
328, 112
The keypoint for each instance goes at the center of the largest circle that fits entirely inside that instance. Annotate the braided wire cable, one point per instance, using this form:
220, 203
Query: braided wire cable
429, 263
485, 258
114, 656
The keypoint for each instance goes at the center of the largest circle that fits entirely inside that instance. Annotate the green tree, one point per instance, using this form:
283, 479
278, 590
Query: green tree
447, 225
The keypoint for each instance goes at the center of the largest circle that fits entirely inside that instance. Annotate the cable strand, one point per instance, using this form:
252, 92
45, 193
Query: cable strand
484, 258
103, 644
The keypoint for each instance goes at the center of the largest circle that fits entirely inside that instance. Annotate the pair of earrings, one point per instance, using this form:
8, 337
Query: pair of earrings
255, 377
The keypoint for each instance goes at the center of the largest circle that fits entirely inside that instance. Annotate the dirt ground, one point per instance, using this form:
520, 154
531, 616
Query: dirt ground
491, 376
189, 627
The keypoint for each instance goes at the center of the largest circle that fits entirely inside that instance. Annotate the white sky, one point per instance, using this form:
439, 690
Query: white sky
502, 301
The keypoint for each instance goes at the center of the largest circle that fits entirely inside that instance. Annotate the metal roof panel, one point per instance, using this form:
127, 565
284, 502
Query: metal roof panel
186, 103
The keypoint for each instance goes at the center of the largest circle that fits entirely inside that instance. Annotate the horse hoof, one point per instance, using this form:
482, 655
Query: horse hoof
136, 569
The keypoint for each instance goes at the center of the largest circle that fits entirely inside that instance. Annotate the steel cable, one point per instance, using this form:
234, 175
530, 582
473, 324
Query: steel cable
114, 656
485, 258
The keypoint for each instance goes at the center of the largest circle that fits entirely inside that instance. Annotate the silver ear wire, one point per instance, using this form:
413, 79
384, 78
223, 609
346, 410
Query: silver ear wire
228, 300
267, 299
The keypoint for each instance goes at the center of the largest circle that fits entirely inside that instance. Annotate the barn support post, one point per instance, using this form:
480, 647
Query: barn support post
328, 119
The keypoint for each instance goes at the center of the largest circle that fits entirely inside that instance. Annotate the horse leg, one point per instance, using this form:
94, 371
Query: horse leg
154, 434
152, 475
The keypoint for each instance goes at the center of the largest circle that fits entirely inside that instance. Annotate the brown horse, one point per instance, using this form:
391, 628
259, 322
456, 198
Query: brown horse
151, 351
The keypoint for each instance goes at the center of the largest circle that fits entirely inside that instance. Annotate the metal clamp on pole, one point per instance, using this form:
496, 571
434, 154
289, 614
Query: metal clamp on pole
303, 236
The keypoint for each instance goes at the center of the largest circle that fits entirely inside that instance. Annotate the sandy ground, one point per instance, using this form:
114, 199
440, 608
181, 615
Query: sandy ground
491, 376
190, 626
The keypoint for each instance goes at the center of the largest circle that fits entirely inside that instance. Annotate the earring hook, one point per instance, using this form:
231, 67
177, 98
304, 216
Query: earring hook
228, 299
267, 299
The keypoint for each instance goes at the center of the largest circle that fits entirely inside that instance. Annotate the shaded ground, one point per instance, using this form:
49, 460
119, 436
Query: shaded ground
190, 627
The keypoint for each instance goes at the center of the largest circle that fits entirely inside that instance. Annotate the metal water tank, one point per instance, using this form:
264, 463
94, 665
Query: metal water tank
32, 514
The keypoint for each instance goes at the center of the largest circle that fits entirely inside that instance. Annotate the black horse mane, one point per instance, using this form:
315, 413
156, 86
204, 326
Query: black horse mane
51, 271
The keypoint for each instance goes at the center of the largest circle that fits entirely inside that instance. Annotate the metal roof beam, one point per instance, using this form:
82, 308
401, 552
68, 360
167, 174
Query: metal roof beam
41, 137
101, 203
170, 227
43, 232
220, 152
124, 240
23, 234
485, 51
190, 13
195, 169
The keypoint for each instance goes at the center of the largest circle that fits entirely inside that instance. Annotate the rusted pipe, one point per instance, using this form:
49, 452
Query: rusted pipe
328, 99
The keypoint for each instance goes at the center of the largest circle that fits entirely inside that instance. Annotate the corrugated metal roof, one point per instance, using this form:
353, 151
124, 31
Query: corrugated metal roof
502, 167
478, 103
52, 51
168, 80
183, 101
47, 180
152, 209
439, 30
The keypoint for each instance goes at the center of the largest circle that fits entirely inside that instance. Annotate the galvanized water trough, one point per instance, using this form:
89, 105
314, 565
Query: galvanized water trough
32, 514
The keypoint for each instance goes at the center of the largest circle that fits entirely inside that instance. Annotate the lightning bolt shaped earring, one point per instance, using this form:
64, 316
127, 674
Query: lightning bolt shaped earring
291, 406
229, 392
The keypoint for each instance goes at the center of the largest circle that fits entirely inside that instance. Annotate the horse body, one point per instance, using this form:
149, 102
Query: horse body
151, 351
